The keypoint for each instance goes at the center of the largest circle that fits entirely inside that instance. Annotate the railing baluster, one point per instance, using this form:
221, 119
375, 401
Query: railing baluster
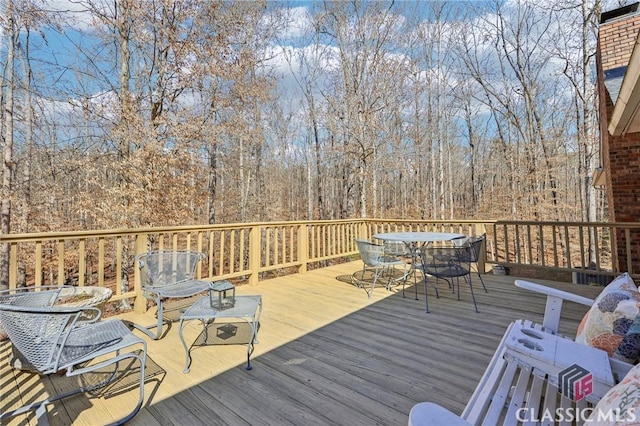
583, 262
13, 265
221, 258
614, 250
232, 249
567, 245
101, 262
627, 237
118, 256
543, 257
61, 270
596, 243
232, 252
38, 264
82, 262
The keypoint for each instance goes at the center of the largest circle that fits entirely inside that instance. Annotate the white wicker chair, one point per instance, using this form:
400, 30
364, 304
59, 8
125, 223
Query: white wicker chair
59, 339
168, 274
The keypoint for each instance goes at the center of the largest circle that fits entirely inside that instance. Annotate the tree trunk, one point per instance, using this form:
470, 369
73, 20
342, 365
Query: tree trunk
7, 164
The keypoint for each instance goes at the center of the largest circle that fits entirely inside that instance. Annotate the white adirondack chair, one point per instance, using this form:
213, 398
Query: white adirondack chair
553, 309
520, 383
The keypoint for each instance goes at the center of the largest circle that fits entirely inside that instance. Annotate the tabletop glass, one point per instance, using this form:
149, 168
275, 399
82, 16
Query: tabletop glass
417, 237
245, 306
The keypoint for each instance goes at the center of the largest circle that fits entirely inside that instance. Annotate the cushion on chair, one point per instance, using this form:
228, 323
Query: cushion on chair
613, 322
621, 404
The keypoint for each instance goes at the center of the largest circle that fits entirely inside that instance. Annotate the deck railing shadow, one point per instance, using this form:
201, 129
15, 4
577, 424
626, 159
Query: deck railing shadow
368, 367
326, 355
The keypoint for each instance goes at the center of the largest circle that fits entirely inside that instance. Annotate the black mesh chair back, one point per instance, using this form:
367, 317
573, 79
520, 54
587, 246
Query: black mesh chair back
449, 263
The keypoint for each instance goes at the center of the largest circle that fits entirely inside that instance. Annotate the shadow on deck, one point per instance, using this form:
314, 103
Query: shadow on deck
326, 355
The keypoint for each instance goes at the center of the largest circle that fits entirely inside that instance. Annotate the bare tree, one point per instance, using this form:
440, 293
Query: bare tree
170, 112
362, 33
8, 87
578, 55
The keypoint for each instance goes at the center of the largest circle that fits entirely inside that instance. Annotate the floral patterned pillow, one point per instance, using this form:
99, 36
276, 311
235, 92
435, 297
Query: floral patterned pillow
621, 404
613, 322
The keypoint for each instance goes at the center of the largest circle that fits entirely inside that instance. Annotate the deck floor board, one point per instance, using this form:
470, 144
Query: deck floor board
326, 355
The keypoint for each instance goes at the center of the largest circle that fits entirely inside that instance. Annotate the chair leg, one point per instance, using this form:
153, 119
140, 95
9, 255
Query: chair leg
135, 355
40, 406
160, 315
355, 280
426, 296
147, 330
392, 277
390, 271
473, 296
405, 277
482, 281
404, 281
373, 284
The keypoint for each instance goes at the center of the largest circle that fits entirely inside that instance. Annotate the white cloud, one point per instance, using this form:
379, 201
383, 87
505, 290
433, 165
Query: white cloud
70, 13
299, 23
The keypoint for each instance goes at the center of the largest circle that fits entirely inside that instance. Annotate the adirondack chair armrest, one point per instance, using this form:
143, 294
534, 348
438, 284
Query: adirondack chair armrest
553, 307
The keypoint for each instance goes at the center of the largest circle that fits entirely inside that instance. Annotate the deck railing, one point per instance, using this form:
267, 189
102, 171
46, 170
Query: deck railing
249, 252
595, 249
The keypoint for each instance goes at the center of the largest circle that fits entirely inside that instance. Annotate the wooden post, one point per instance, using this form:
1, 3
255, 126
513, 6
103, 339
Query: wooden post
363, 233
303, 248
61, 269
482, 257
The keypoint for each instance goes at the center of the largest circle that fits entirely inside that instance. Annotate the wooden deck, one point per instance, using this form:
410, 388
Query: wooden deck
326, 355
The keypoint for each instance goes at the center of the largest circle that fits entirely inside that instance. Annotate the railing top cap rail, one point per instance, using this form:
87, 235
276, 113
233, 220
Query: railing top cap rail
568, 223
8, 238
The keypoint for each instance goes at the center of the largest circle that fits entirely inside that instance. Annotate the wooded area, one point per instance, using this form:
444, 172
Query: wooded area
130, 113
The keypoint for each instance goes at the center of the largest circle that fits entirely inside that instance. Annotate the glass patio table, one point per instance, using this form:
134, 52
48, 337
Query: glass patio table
417, 237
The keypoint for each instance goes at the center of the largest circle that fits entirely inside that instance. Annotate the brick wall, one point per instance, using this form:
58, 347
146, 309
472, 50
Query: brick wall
620, 154
616, 41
